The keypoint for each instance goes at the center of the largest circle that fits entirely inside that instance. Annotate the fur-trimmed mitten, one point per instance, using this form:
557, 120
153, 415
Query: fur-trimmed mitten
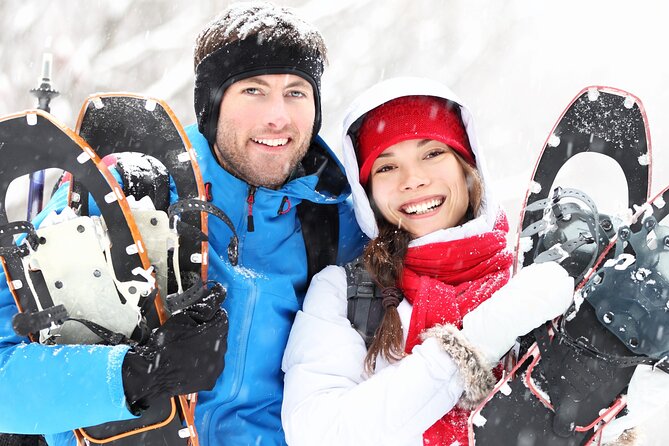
474, 369
538, 293
627, 438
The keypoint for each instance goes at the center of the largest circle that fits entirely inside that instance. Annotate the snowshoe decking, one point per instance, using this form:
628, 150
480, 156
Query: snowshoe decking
569, 383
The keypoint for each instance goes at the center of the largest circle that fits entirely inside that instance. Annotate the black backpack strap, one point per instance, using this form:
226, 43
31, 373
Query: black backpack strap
365, 301
320, 230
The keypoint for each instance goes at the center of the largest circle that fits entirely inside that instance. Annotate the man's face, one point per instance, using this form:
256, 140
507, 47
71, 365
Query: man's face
264, 127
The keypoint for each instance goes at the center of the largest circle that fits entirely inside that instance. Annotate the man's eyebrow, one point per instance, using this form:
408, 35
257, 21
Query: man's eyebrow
292, 84
254, 80
298, 83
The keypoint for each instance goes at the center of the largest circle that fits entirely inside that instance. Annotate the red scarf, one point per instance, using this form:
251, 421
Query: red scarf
444, 281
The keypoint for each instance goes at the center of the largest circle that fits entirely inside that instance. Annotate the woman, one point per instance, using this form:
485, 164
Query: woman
438, 253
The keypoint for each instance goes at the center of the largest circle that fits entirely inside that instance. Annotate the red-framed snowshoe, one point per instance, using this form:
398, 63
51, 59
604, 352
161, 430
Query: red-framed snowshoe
583, 380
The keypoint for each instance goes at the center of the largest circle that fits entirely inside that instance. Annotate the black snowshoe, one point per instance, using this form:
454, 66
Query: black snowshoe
154, 261
569, 383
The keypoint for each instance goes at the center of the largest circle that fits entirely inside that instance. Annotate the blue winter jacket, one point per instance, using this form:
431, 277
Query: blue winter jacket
51, 390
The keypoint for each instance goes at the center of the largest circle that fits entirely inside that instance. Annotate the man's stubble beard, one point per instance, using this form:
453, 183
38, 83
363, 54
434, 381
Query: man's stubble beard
232, 156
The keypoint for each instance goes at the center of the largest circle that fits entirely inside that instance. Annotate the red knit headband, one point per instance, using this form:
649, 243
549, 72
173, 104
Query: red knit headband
410, 117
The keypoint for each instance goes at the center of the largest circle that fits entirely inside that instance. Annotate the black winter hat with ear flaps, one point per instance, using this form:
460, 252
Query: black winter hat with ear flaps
246, 58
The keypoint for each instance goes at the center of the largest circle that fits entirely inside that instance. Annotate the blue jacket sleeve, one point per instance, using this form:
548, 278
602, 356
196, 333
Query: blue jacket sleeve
50, 389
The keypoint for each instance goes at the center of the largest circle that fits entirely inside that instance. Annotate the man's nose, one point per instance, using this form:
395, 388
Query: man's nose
276, 115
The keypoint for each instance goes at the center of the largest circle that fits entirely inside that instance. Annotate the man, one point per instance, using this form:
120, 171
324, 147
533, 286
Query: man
257, 98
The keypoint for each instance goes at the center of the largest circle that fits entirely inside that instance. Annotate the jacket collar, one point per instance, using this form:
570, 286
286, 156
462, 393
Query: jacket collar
319, 177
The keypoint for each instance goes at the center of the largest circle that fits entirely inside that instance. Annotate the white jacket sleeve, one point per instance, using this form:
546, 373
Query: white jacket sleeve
327, 398
647, 395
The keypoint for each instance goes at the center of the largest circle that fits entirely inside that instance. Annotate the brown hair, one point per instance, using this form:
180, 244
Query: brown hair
259, 20
384, 259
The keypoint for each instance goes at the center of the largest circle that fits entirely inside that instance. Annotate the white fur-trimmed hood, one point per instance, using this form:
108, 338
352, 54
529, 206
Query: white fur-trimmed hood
384, 92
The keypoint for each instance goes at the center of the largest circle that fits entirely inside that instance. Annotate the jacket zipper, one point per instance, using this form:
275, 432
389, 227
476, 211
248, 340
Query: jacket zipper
249, 201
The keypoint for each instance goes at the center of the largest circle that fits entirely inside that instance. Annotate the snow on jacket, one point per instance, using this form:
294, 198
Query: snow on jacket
54, 389
328, 399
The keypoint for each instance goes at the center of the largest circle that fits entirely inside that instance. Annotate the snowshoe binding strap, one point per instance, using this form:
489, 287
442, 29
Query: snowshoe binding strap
190, 205
26, 323
631, 292
7, 231
192, 296
569, 233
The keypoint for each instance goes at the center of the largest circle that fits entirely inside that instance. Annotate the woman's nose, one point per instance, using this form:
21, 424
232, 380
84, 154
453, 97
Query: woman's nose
413, 179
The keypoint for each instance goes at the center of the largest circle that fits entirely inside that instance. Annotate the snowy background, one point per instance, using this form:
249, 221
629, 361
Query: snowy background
516, 63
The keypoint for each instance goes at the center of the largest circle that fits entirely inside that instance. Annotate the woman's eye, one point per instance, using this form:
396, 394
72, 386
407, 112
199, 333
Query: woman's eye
434, 153
384, 169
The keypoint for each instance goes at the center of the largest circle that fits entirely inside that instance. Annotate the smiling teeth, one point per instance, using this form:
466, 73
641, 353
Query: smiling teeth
423, 207
272, 142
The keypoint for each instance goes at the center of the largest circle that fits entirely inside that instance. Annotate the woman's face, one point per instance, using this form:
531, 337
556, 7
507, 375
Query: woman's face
420, 186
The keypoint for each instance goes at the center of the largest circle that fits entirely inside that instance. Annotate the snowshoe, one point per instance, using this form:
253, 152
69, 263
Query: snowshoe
173, 238
40, 282
565, 222
570, 383
562, 389
141, 137
50, 293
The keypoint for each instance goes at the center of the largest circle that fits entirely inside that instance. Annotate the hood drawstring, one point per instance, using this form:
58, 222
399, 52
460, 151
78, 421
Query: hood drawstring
281, 210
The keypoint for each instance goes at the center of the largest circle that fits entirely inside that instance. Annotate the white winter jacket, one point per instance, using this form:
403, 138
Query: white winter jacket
328, 398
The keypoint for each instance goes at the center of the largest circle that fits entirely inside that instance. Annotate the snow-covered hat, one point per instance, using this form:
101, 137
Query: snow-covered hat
251, 39
410, 117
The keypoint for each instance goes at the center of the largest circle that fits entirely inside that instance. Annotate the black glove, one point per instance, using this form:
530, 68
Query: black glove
184, 355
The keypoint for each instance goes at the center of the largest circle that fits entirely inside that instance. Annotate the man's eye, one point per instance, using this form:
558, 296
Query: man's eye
251, 90
297, 94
